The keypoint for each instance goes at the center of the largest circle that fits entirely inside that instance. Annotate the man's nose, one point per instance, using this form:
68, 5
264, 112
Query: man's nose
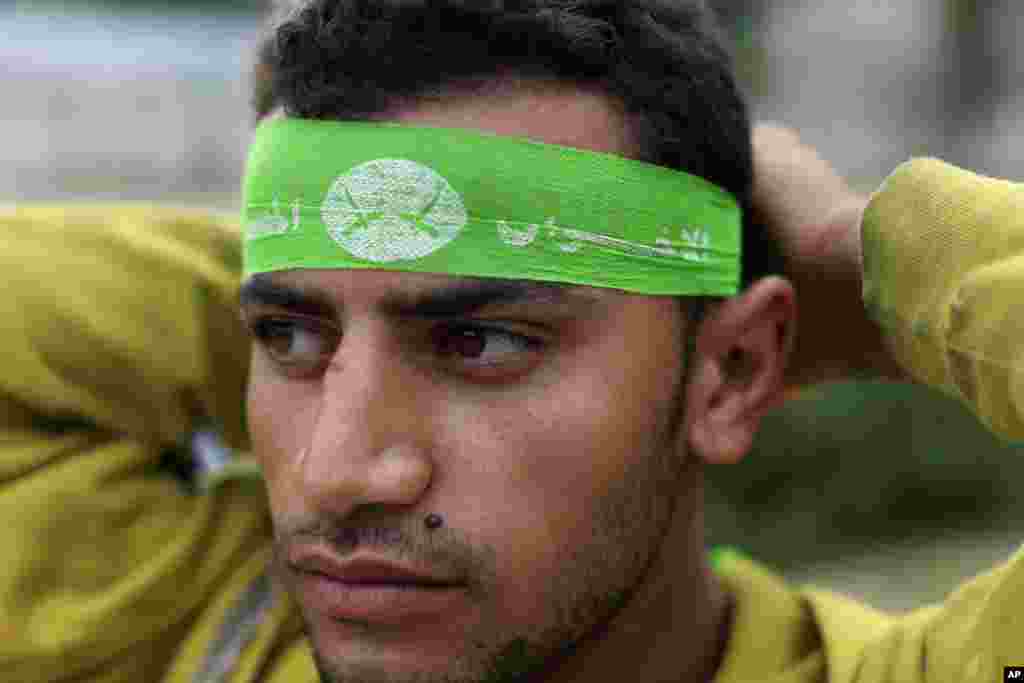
371, 441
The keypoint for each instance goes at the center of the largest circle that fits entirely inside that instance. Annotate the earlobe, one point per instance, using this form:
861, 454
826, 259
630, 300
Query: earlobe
739, 369
715, 414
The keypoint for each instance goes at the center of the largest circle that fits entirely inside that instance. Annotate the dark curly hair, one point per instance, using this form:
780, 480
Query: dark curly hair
664, 59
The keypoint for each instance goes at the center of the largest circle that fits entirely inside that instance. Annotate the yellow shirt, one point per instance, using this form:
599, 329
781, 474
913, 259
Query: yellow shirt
120, 333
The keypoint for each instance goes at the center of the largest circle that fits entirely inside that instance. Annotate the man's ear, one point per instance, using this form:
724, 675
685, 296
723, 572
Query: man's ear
738, 372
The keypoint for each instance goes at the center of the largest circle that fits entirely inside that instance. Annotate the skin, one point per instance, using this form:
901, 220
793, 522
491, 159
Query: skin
815, 216
568, 474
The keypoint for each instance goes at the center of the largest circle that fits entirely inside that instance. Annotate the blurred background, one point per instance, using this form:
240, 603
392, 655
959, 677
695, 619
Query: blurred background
890, 493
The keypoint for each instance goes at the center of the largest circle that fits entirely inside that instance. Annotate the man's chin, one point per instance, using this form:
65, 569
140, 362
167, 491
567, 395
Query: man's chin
353, 652
371, 663
370, 653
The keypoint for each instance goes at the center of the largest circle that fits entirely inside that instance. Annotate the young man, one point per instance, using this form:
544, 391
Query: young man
546, 409
534, 446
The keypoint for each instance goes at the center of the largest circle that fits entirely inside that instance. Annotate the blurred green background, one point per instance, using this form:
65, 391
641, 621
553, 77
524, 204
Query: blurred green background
890, 492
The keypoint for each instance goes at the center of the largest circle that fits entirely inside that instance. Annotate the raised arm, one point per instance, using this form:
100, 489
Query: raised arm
119, 328
922, 281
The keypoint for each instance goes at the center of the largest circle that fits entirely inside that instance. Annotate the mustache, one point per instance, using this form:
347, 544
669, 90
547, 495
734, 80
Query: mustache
348, 539
346, 536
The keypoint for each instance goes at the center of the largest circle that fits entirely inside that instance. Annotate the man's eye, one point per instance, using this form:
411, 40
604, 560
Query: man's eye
475, 346
301, 344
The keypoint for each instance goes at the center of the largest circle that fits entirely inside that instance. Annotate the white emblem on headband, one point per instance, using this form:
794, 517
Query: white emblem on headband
392, 210
699, 242
519, 238
274, 223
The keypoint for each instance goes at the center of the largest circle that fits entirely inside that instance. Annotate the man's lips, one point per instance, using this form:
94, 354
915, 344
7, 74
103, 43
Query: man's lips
372, 589
364, 569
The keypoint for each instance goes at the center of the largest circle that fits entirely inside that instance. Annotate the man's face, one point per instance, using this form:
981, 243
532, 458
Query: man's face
540, 423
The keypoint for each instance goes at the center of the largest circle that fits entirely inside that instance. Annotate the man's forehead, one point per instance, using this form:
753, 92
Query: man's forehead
399, 294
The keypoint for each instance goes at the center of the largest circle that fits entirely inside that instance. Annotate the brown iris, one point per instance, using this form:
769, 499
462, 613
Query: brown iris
465, 342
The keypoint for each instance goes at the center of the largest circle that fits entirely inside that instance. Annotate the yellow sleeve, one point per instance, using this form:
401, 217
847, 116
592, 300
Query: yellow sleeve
121, 315
119, 325
944, 277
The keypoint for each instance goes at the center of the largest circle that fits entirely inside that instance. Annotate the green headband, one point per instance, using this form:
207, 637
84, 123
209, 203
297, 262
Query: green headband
329, 194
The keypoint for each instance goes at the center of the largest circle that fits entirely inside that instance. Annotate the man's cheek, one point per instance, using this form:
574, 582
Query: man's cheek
581, 443
261, 429
273, 434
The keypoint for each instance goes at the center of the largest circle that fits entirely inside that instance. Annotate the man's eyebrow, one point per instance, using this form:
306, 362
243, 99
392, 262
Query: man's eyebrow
467, 296
262, 290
